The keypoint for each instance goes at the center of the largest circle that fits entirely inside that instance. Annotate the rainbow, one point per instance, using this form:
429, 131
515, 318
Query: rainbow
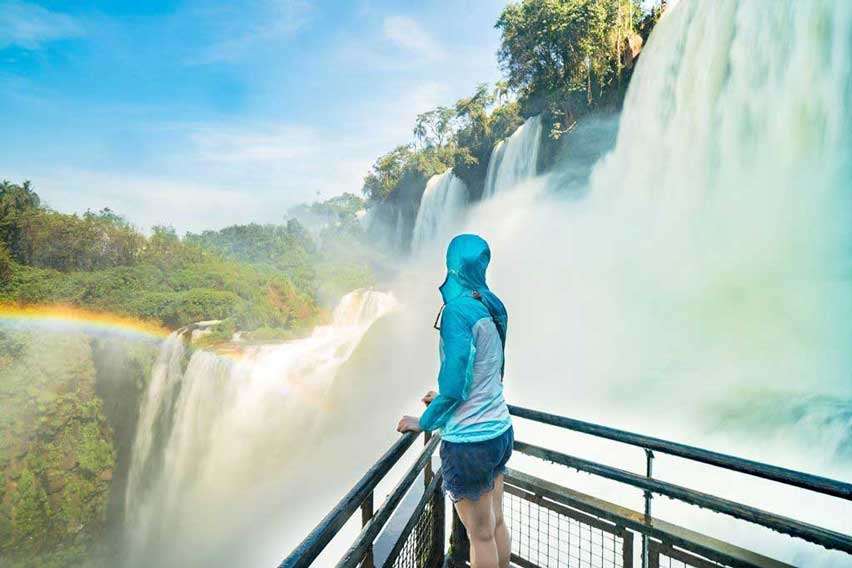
60, 316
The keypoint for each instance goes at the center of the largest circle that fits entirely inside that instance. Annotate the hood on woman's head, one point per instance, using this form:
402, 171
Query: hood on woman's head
467, 260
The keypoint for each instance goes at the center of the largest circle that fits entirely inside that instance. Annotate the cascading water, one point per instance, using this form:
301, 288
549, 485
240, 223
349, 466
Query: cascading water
706, 269
214, 438
714, 239
515, 159
441, 208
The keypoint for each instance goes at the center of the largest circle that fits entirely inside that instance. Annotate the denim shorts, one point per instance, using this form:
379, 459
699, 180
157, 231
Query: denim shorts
470, 468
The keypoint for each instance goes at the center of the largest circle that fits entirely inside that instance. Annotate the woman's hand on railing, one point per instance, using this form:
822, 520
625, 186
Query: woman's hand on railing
429, 397
408, 424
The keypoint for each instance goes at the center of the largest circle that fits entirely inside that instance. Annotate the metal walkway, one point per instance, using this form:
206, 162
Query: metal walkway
554, 526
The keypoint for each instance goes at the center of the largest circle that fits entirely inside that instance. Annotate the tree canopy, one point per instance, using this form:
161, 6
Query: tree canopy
562, 56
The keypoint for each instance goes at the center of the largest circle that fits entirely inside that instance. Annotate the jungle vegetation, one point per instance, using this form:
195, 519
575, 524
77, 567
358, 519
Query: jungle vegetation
560, 58
255, 275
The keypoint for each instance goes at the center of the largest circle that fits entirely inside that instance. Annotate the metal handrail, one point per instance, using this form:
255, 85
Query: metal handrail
783, 475
428, 496
372, 524
311, 547
368, 534
779, 523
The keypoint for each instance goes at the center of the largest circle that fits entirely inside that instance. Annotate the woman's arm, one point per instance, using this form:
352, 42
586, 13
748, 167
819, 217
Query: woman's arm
412, 423
456, 374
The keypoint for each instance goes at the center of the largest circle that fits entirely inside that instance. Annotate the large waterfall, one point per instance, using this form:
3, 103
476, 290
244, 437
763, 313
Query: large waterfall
441, 206
213, 437
701, 288
711, 250
515, 159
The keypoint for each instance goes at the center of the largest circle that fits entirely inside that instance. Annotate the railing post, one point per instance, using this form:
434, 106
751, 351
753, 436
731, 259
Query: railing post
366, 515
438, 515
427, 471
649, 470
436, 554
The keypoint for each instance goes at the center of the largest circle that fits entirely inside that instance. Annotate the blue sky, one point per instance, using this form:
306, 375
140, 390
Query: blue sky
201, 114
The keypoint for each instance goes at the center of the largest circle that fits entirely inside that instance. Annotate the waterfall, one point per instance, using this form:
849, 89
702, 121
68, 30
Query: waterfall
711, 249
214, 436
515, 159
707, 261
441, 207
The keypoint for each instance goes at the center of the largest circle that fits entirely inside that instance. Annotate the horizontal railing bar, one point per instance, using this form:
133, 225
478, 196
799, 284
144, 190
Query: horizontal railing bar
311, 547
413, 519
792, 527
522, 562
758, 469
369, 533
709, 547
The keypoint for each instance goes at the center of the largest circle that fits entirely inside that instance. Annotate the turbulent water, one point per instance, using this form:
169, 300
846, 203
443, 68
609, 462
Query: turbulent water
441, 207
515, 159
215, 435
701, 288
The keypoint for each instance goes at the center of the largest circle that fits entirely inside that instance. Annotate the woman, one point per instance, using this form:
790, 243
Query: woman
469, 408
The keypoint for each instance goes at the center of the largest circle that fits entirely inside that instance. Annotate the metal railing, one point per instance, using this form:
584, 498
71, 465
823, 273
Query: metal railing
424, 553
655, 542
554, 526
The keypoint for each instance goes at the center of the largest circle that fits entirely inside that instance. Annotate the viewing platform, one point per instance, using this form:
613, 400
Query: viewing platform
554, 526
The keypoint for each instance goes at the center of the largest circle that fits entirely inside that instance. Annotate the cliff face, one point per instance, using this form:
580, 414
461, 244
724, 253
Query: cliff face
57, 451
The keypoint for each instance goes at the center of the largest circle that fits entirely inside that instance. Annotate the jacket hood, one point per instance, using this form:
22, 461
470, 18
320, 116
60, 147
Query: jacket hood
467, 260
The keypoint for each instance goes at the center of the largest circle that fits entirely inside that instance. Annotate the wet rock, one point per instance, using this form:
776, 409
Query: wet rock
632, 48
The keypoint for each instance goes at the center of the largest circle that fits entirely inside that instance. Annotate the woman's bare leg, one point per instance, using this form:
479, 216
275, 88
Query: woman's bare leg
501, 531
478, 518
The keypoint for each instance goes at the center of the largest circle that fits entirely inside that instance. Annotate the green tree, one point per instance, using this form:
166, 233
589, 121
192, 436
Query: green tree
435, 127
386, 173
16, 202
564, 56
339, 208
165, 249
5, 264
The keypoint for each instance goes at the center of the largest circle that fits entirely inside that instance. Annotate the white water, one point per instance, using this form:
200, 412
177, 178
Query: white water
712, 248
515, 159
703, 282
441, 208
215, 440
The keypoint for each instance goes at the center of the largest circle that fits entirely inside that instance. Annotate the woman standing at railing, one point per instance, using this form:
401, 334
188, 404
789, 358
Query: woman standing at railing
469, 408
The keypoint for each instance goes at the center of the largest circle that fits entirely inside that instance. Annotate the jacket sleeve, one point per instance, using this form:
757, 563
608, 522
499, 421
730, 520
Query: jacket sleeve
454, 379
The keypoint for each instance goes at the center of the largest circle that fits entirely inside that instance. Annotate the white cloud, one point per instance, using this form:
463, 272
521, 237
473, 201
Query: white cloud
144, 200
213, 174
31, 27
273, 144
248, 166
408, 34
239, 31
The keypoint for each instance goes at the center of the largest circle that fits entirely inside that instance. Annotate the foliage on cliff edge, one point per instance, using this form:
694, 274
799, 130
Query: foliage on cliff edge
57, 452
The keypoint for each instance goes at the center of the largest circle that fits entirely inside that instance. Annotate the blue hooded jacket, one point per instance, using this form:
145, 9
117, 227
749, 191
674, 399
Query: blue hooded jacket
470, 405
